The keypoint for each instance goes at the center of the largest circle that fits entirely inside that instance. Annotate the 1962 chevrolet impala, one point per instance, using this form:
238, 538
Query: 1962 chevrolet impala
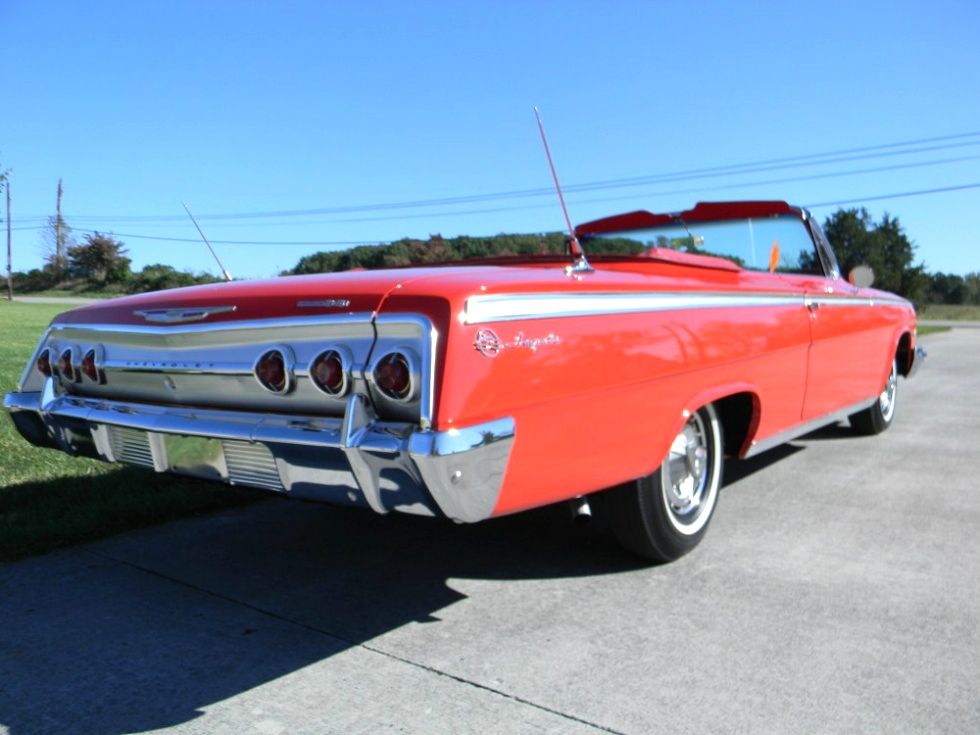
468, 391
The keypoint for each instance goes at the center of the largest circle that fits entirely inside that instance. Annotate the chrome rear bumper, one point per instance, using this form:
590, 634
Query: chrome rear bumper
356, 459
918, 359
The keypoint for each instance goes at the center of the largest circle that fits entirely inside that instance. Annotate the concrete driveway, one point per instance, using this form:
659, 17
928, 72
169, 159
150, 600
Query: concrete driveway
838, 591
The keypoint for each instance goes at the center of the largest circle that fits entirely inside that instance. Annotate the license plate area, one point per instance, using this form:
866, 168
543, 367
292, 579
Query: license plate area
195, 456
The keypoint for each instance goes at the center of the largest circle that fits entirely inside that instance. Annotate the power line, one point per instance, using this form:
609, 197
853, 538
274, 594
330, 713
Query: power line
354, 243
941, 190
516, 207
922, 145
757, 168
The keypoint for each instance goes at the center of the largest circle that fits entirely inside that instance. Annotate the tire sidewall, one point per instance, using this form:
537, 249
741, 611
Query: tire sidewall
665, 529
887, 418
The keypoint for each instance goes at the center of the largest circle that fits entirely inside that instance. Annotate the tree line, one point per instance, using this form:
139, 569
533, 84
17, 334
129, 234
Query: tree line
100, 262
858, 240
410, 251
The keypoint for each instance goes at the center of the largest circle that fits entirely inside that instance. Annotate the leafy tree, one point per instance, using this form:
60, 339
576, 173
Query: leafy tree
857, 240
100, 258
158, 277
437, 248
35, 280
57, 238
946, 289
972, 283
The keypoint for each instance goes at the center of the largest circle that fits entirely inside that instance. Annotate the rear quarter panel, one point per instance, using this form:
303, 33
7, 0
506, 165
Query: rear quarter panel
597, 399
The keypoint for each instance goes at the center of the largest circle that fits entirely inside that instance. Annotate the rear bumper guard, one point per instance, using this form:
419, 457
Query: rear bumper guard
355, 459
918, 360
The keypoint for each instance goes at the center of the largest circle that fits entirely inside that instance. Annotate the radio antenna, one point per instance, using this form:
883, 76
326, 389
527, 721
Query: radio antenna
581, 265
226, 274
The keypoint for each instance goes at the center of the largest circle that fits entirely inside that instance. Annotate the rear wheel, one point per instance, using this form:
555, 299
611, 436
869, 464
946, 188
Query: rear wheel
879, 416
664, 515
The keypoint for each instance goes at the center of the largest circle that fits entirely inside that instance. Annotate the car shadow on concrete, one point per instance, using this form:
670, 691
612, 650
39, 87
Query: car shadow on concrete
832, 432
147, 630
737, 470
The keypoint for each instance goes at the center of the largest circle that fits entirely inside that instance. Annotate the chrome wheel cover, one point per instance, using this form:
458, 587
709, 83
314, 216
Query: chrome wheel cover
888, 398
689, 475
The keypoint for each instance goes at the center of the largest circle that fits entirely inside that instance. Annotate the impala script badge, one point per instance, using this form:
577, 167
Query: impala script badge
489, 344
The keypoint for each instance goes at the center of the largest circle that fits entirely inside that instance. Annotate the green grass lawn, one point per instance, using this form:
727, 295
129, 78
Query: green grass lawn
50, 500
951, 312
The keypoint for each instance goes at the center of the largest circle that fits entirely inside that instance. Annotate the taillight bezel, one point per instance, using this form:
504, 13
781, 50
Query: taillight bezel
44, 364
393, 356
288, 370
92, 364
66, 366
342, 356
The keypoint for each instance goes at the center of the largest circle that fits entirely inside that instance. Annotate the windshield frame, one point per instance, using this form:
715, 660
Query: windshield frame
723, 231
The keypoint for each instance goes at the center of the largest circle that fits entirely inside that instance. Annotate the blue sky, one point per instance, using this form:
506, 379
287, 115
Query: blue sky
290, 128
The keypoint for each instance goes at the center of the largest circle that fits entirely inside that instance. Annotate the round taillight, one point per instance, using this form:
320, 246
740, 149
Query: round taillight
90, 367
65, 367
328, 373
44, 363
272, 370
394, 376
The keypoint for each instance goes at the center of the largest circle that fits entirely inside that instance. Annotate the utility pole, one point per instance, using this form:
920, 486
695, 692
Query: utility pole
10, 260
59, 237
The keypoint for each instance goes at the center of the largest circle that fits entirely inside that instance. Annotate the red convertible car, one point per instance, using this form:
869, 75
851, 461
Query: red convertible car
468, 391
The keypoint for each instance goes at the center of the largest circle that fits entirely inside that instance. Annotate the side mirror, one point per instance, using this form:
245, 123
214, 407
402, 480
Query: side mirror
861, 276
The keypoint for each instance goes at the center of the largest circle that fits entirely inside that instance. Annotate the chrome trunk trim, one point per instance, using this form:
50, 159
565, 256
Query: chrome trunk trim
179, 316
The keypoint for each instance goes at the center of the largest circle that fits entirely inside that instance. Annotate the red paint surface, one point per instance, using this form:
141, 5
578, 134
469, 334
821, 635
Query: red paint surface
599, 399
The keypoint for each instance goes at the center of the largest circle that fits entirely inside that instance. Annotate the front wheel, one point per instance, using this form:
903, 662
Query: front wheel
879, 416
664, 515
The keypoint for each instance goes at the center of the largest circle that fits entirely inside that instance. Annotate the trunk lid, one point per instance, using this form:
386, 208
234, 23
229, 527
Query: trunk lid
359, 292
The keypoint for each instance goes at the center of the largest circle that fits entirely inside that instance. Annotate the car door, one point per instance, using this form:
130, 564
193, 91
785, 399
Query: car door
848, 355
845, 365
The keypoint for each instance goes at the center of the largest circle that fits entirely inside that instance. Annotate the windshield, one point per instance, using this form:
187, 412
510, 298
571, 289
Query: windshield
779, 243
